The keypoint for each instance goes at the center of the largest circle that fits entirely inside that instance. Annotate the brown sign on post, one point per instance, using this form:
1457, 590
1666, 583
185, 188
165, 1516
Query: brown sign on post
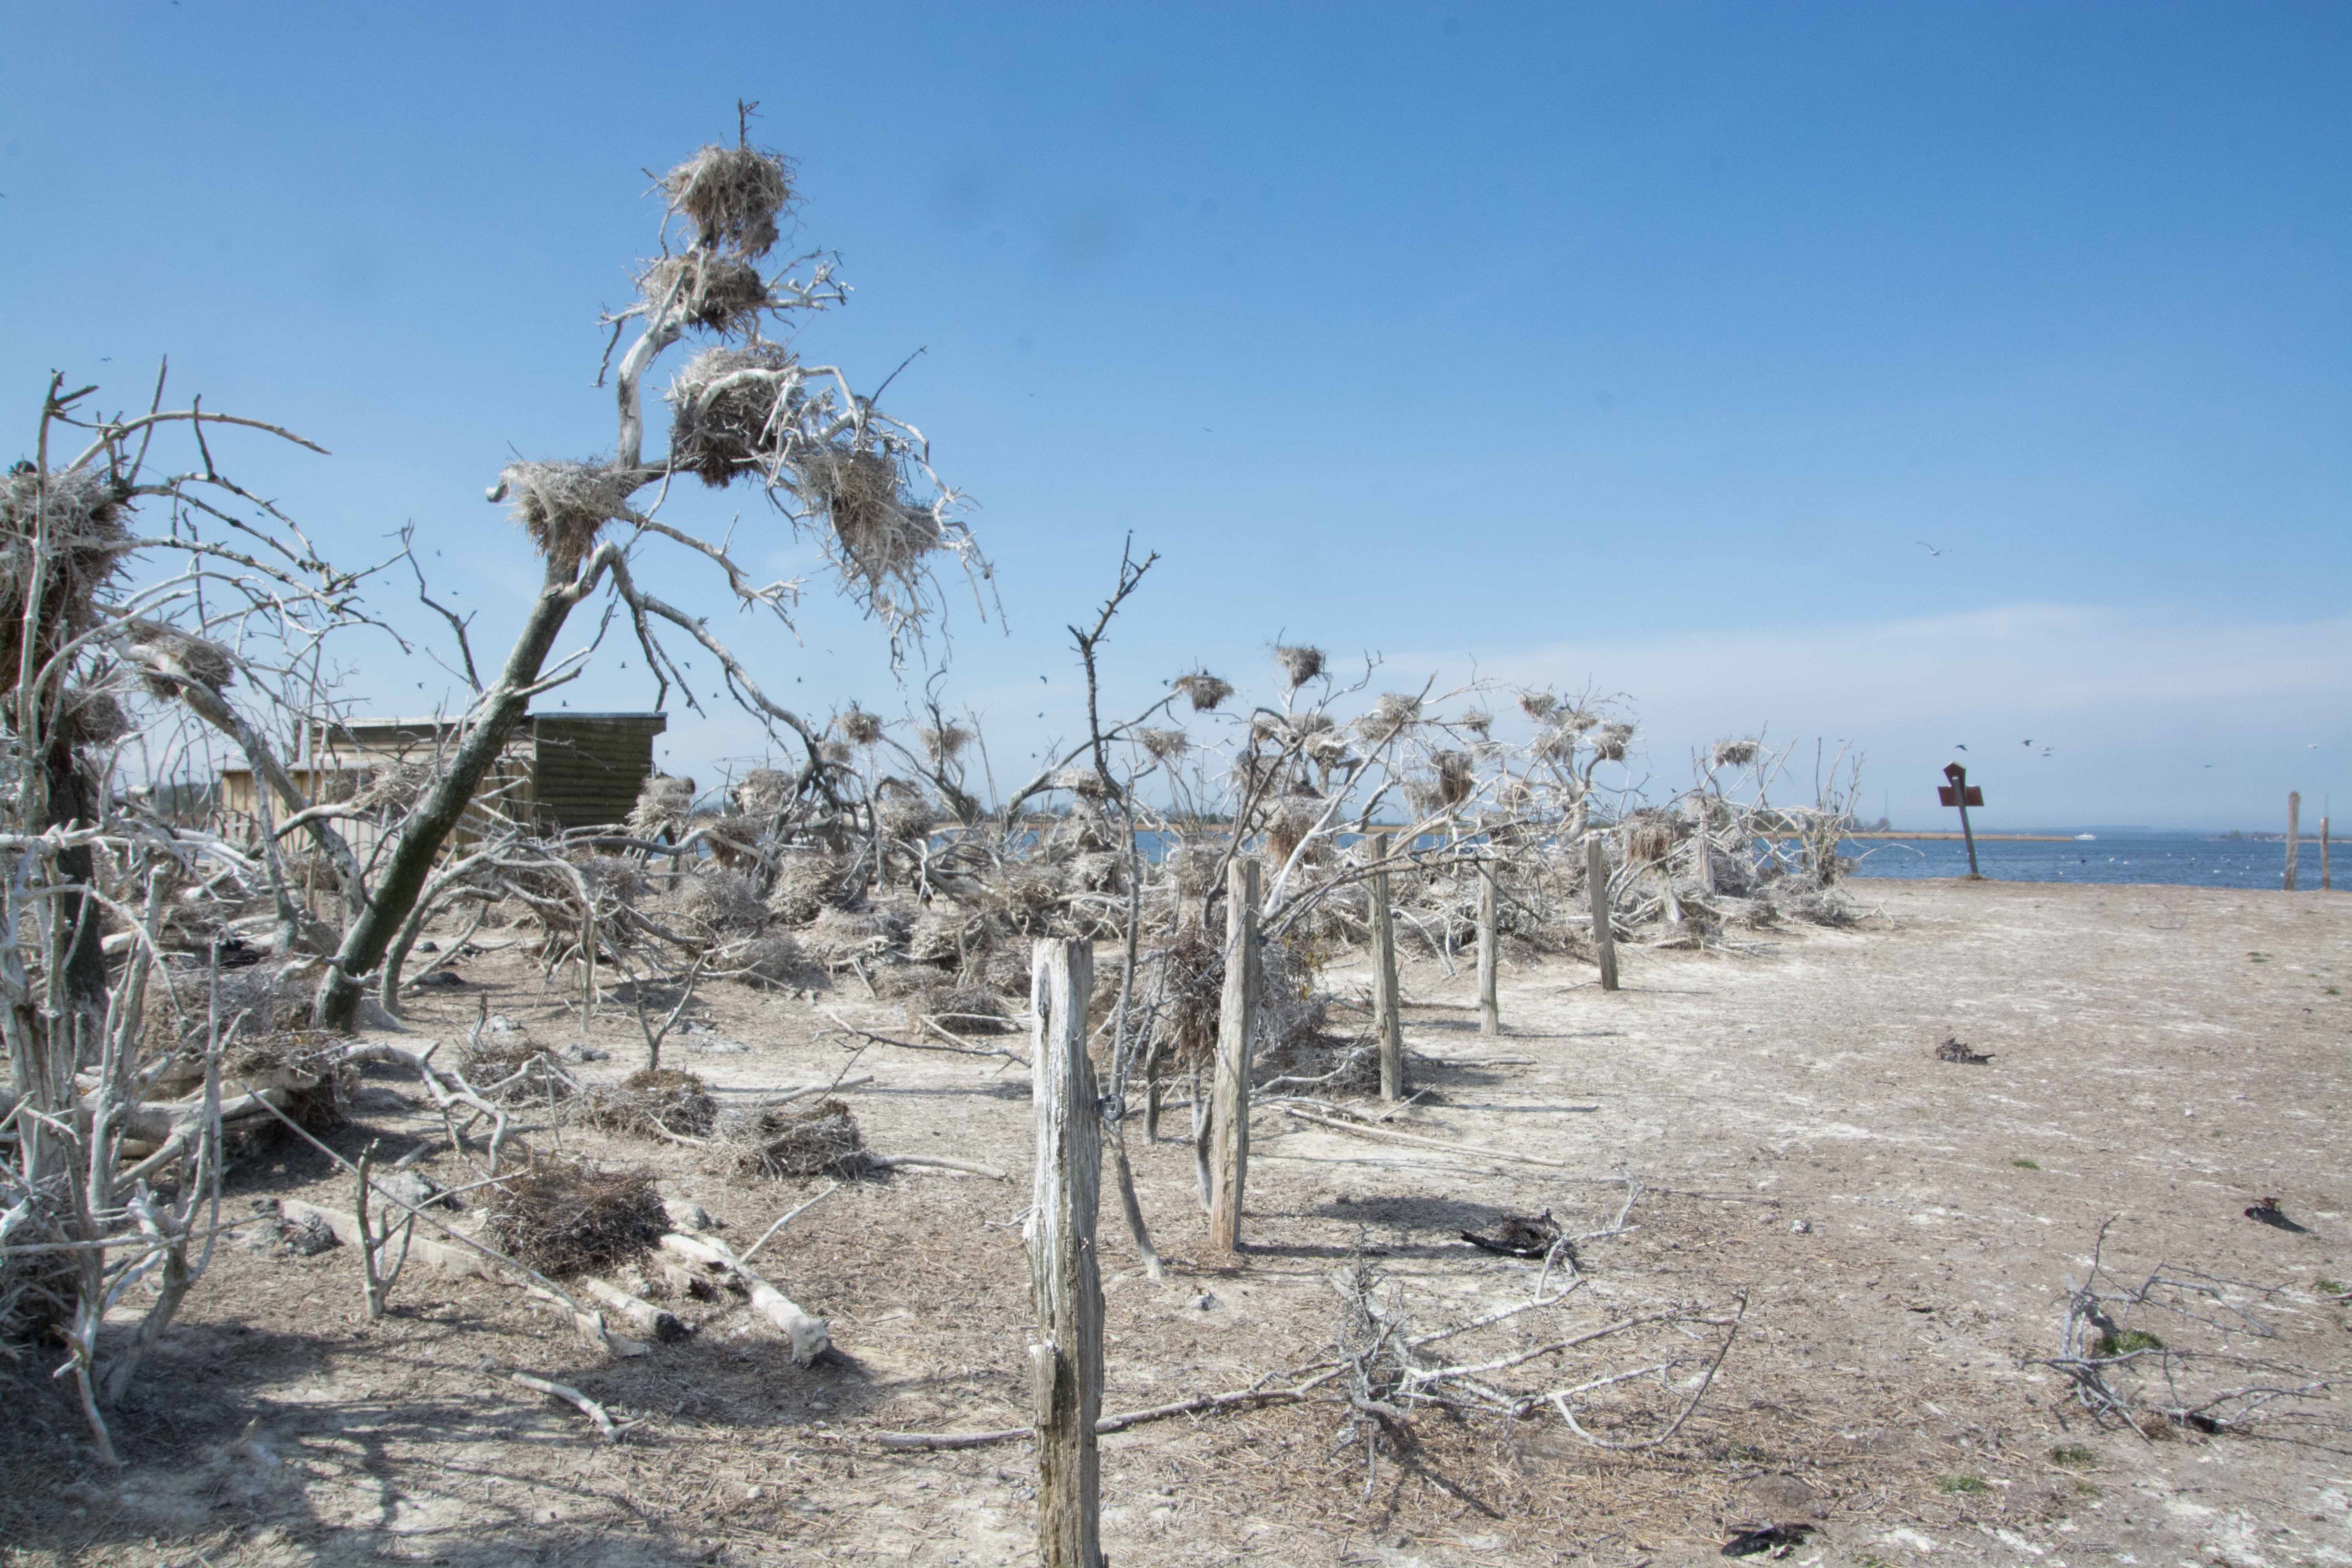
1964, 794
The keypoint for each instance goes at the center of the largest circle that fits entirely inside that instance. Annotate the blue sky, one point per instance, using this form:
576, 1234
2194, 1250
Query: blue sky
1636, 346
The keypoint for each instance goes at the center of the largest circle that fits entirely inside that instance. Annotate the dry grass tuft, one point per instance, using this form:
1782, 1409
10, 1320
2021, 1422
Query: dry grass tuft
566, 1217
821, 1141
733, 195
564, 505
650, 1101
1205, 690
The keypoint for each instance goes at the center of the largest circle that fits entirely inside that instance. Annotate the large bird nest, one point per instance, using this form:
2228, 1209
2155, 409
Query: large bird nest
1205, 690
733, 195
962, 1009
564, 505
711, 290
881, 537
730, 412
776, 961
1299, 663
718, 903
568, 1217
154, 642
777, 1141
79, 518
663, 804
807, 885
649, 1102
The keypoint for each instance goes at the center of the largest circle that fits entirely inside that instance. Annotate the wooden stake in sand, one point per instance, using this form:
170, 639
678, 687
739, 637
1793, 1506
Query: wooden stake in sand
1604, 938
1065, 1283
2326, 882
1388, 1021
1490, 1011
2294, 849
1229, 1096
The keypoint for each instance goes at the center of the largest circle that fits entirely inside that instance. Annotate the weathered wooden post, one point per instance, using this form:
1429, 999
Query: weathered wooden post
1388, 1016
1702, 854
1229, 1095
1960, 794
1604, 938
1490, 1011
2294, 849
2325, 882
1065, 1283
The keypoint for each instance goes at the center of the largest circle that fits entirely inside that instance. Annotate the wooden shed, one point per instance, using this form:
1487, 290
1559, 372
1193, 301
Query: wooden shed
561, 770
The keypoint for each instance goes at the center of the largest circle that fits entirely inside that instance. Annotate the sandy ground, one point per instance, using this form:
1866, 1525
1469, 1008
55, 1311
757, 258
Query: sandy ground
1903, 1229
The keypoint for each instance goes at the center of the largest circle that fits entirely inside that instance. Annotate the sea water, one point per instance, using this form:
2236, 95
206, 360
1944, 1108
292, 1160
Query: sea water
2183, 859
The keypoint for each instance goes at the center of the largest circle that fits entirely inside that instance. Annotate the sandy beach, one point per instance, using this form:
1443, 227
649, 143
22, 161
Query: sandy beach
1771, 1126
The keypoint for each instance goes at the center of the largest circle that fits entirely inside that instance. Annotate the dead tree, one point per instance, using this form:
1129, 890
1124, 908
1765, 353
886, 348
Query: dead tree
746, 409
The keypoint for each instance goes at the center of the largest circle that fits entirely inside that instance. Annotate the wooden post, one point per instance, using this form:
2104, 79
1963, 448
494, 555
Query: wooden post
1604, 938
2293, 850
1960, 789
1387, 1019
2325, 882
1490, 1011
1229, 1095
1065, 1283
1703, 854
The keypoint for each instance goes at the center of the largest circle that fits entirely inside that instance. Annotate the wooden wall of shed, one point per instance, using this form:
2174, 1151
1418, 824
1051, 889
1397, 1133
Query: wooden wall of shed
587, 771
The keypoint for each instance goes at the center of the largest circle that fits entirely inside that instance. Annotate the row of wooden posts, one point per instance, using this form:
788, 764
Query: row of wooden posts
1065, 1276
2295, 848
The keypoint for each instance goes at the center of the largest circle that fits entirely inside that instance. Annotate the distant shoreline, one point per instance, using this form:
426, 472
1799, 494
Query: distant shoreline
1996, 837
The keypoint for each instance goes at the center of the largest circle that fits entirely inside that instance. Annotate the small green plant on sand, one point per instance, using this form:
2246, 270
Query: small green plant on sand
2330, 1287
2071, 1454
2024, 1165
1960, 1485
2127, 1340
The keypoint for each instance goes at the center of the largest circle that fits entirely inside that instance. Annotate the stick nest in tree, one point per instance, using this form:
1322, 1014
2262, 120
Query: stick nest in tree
775, 1141
564, 505
650, 1101
1205, 690
711, 290
80, 516
730, 412
807, 885
1300, 664
663, 804
568, 1217
882, 538
206, 663
733, 195
858, 727
718, 903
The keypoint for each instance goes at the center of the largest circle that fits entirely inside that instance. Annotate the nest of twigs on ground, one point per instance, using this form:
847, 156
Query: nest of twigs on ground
960, 1009
512, 1071
568, 1217
776, 1140
650, 1102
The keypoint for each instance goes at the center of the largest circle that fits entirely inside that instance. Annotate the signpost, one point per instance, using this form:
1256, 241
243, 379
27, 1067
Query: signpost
1964, 794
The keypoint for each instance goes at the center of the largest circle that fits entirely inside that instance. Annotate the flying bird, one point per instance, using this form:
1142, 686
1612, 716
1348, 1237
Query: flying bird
1957, 747
1927, 547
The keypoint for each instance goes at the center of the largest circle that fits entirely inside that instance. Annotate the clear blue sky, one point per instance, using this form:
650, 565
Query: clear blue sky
1636, 346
